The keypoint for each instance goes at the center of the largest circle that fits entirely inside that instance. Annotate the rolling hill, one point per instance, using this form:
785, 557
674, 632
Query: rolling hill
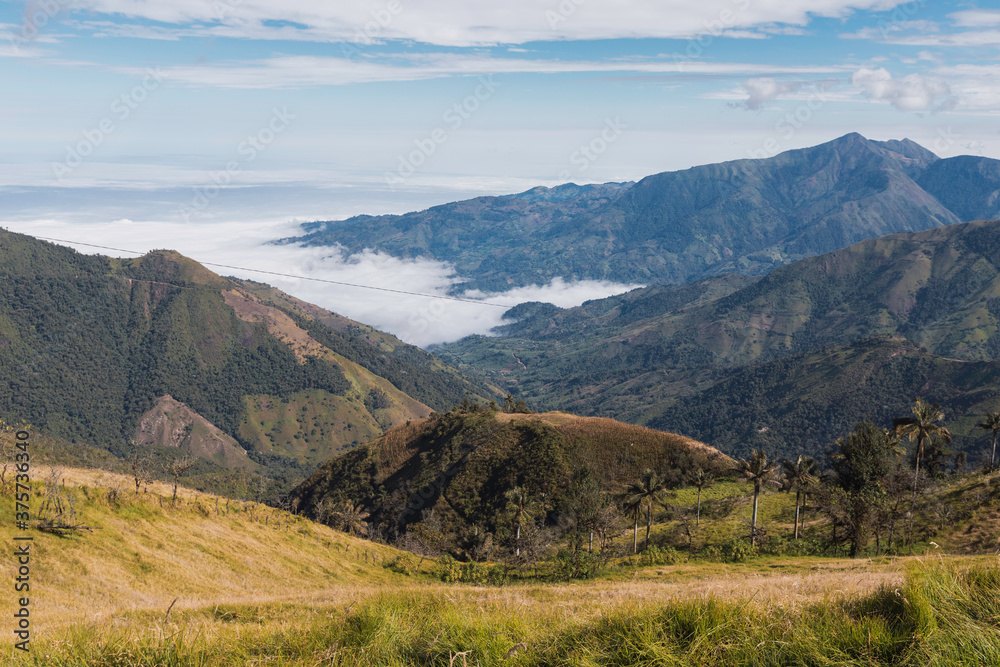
453, 471
161, 351
744, 216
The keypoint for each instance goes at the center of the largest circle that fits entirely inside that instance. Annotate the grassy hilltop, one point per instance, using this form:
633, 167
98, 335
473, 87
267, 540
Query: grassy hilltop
457, 470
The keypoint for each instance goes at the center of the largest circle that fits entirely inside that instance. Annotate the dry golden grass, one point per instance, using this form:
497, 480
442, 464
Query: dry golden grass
146, 552
575, 425
256, 571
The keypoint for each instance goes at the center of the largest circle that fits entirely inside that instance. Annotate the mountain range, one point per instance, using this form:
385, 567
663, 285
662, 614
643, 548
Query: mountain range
789, 298
745, 216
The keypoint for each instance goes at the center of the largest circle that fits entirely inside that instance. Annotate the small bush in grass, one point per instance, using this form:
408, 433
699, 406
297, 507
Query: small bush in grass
656, 555
401, 564
576, 565
496, 575
739, 551
713, 553
784, 546
449, 569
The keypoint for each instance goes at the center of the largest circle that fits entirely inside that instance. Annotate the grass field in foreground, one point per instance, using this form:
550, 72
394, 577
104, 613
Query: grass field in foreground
255, 586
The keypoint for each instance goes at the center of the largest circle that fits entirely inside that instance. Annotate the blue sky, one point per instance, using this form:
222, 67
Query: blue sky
194, 114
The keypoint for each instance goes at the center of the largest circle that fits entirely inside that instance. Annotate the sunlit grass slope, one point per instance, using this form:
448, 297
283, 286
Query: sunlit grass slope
145, 552
195, 584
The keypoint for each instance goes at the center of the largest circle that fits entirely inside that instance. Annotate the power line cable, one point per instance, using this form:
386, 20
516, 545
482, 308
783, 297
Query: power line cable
289, 275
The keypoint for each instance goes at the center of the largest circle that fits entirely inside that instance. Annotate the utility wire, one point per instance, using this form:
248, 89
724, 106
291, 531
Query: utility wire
289, 275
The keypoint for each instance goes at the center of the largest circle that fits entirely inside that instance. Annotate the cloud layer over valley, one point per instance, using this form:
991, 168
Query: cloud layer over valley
420, 320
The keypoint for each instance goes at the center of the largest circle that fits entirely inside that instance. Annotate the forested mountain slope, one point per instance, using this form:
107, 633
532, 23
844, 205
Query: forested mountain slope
663, 355
89, 345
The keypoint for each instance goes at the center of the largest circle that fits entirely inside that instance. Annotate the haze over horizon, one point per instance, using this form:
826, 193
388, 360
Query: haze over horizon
189, 125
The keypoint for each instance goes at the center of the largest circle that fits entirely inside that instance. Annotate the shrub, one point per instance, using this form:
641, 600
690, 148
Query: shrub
578, 564
739, 551
784, 546
401, 564
655, 555
712, 553
449, 569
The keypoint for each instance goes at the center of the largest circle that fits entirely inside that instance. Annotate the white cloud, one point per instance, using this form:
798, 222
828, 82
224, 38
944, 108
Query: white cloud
476, 22
913, 92
976, 18
302, 71
983, 31
762, 90
976, 86
970, 38
417, 319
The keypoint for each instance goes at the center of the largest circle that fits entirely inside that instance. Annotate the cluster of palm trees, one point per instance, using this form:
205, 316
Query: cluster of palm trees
650, 487
801, 475
798, 475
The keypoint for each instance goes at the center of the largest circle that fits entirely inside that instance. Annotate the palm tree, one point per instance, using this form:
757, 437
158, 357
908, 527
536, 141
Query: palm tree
344, 516
920, 428
521, 507
649, 487
701, 479
759, 472
992, 423
633, 508
800, 474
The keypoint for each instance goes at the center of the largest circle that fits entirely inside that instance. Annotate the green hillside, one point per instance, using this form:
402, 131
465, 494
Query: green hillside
802, 403
720, 359
90, 346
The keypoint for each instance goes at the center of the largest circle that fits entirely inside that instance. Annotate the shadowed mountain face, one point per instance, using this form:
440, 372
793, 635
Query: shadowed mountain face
745, 216
96, 350
969, 186
731, 351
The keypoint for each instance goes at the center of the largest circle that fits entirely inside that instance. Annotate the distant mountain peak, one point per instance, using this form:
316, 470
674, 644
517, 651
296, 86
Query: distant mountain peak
742, 216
